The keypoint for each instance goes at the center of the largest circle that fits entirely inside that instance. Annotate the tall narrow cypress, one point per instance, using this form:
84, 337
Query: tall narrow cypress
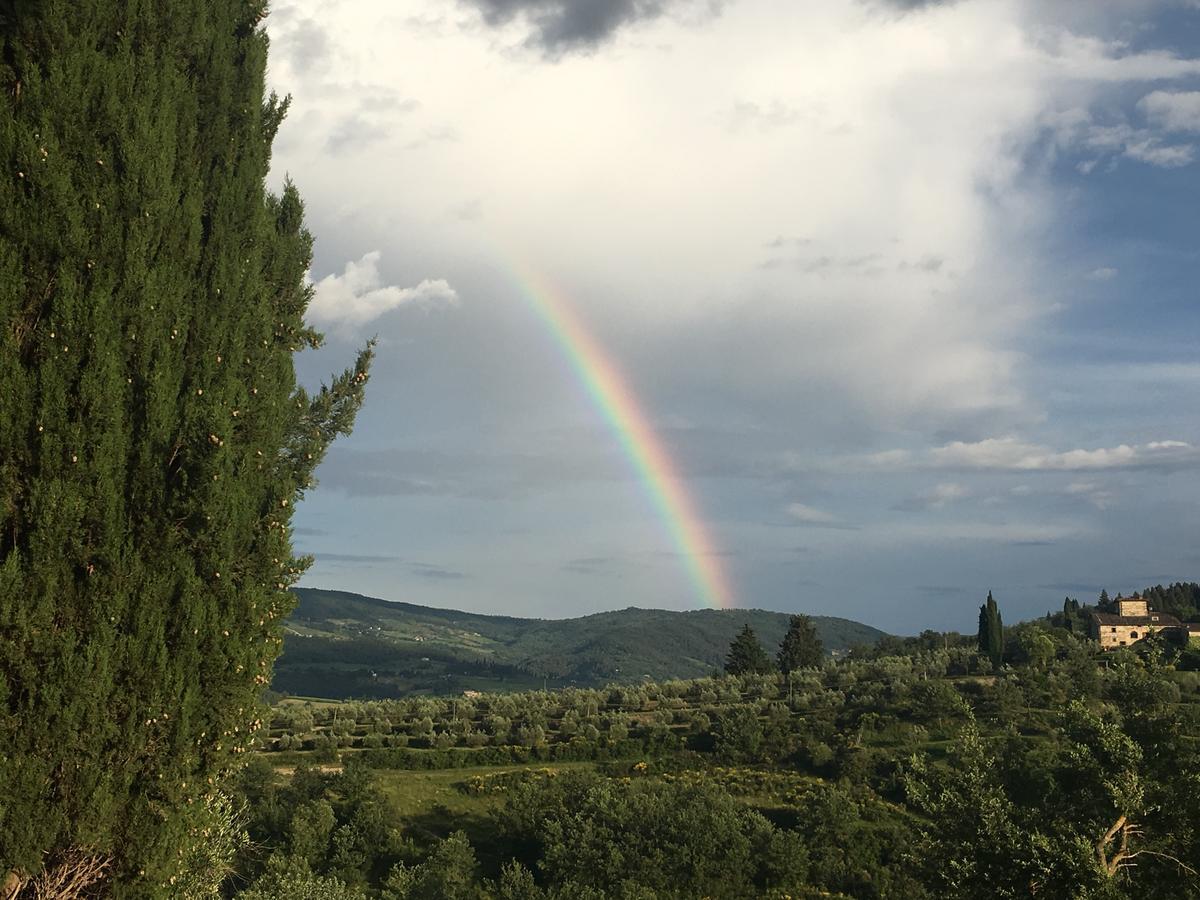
990, 638
153, 439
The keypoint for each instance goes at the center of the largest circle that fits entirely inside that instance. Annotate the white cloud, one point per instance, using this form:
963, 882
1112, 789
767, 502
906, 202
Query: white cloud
1091, 59
1011, 454
897, 139
358, 295
1172, 110
886, 141
1105, 273
1077, 130
1150, 150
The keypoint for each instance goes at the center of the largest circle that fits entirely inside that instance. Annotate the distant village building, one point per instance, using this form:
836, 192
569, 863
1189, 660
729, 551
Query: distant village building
1134, 620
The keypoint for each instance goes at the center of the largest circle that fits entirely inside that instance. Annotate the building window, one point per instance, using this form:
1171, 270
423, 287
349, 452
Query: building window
1133, 635
1122, 643
1114, 629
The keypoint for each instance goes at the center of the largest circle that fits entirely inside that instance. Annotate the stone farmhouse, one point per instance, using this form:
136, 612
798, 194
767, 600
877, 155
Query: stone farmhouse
1134, 620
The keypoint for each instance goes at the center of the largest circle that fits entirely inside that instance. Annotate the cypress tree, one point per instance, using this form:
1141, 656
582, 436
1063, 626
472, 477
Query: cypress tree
746, 655
990, 638
801, 647
153, 440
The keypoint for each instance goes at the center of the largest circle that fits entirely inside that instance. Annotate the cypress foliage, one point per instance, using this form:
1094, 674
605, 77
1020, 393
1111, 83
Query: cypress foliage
801, 647
746, 655
991, 631
153, 440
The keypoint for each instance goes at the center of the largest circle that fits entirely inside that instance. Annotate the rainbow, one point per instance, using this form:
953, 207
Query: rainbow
617, 404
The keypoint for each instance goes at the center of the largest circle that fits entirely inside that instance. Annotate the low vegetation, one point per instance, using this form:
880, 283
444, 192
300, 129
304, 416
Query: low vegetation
917, 769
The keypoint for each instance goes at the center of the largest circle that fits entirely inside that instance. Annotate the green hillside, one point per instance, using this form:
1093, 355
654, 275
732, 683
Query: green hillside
339, 644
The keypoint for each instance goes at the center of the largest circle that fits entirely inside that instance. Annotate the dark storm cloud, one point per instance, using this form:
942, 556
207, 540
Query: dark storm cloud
560, 26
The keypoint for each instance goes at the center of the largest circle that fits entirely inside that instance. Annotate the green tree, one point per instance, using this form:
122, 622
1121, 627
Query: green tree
746, 655
516, 883
450, 873
990, 637
1033, 646
153, 439
1083, 816
291, 879
974, 844
737, 734
647, 838
311, 826
801, 647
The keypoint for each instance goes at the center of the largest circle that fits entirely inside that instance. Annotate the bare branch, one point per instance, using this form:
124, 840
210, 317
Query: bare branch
1167, 856
76, 875
1111, 867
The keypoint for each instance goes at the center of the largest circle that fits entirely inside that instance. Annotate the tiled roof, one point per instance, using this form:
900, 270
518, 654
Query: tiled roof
1162, 620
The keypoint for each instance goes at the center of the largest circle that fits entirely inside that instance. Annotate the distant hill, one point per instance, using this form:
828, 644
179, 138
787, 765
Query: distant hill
338, 644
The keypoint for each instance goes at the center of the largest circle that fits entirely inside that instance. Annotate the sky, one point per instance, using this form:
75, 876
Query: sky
904, 292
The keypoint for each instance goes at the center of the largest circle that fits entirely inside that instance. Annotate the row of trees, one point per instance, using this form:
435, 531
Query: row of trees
801, 648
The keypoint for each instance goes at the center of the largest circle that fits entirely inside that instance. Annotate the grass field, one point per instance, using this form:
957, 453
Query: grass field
418, 795
432, 805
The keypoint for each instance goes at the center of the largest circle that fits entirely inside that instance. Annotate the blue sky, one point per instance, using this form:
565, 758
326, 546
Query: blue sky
909, 291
